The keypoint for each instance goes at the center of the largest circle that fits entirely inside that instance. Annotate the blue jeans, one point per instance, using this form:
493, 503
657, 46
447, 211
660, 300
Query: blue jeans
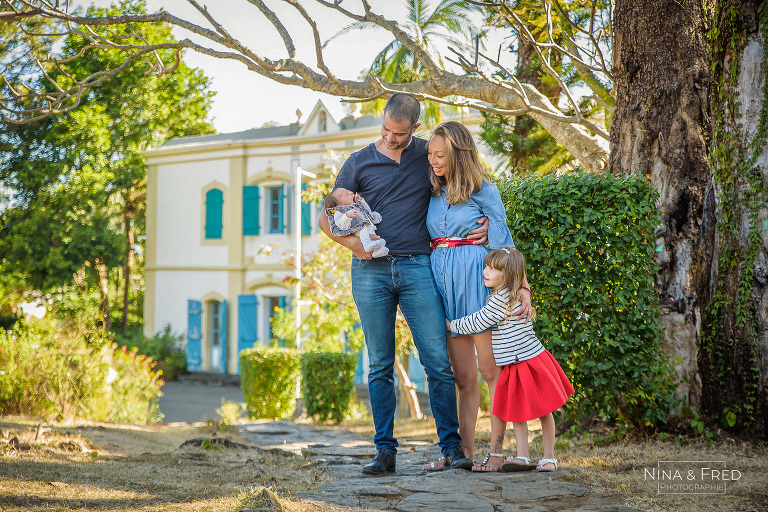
378, 286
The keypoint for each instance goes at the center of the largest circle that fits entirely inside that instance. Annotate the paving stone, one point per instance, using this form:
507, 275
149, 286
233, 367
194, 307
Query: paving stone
443, 502
518, 507
542, 489
602, 508
360, 487
328, 500
445, 482
361, 452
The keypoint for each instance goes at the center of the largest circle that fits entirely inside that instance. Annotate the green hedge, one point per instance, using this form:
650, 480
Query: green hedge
589, 244
268, 378
327, 384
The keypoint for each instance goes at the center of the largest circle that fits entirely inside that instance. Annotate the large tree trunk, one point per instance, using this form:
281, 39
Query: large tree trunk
660, 71
733, 349
713, 255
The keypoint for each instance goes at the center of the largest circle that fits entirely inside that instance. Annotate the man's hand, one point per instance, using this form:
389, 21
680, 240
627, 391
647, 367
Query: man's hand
480, 235
351, 242
524, 296
351, 214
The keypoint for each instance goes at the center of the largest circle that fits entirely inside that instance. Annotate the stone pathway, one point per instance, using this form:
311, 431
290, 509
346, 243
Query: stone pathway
343, 453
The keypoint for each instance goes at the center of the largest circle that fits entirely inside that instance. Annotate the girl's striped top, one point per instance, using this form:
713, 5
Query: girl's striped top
513, 341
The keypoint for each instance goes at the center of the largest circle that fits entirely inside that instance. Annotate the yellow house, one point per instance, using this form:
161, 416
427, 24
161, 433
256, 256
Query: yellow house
220, 223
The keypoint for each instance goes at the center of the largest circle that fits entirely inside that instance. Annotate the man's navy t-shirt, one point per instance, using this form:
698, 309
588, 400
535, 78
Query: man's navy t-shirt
399, 192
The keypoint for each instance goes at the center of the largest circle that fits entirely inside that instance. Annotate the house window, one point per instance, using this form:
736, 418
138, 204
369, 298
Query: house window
349, 143
295, 149
214, 207
322, 122
275, 209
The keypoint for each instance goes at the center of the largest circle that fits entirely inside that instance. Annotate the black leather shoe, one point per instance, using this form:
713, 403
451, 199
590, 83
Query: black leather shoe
383, 462
455, 459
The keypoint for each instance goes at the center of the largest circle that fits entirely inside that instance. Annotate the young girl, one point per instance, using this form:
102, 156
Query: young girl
532, 384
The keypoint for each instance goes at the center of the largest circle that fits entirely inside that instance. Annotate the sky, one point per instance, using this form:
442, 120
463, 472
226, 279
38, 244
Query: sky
245, 99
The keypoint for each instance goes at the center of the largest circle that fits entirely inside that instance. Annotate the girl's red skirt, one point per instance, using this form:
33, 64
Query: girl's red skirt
531, 389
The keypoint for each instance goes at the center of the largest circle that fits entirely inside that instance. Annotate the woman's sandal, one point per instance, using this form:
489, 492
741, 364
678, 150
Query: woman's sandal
434, 466
484, 467
542, 462
510, 466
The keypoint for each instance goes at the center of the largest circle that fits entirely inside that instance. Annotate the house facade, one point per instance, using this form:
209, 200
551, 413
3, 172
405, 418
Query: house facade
221, 222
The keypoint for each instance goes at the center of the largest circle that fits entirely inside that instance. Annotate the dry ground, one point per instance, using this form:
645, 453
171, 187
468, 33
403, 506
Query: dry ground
112, 467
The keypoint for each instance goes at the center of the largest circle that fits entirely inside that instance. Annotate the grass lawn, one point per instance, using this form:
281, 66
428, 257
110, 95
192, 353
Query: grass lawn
113, 467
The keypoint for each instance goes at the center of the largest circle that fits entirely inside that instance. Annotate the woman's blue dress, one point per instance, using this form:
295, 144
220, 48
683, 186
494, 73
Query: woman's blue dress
458, 271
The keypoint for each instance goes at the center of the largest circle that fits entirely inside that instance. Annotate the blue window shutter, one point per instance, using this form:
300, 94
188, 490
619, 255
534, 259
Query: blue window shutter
281, 211
306, 216
223, 335
194, 324
251, 210
214, 202
281, 301
285, 208
416, 372
247, 311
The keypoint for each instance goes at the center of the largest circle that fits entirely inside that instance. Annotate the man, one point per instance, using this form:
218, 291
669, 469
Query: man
392, 175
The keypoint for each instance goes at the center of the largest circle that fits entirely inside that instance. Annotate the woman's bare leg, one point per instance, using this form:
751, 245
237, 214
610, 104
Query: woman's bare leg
461, 350
486, 363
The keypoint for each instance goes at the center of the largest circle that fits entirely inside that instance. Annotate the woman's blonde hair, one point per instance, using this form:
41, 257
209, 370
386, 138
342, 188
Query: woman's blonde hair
464, 173
511, 263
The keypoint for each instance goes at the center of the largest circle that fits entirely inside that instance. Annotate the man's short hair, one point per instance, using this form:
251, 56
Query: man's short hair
401, 106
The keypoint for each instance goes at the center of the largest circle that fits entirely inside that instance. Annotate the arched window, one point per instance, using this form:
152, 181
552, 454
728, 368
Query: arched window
322, 122
214, 207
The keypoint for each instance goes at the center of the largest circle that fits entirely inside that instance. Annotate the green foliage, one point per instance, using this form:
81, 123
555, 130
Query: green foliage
76, 180
164, 347
330, 322
65, 376
327, 384
268, 378
588, 241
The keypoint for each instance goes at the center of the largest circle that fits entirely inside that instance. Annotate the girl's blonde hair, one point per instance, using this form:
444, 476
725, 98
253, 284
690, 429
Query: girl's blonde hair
464, 173
511, 263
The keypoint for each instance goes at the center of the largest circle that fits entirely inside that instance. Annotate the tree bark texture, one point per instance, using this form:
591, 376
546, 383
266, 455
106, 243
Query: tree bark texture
733, 352
660, 70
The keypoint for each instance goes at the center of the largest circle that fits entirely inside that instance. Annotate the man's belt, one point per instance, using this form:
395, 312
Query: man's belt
451, 241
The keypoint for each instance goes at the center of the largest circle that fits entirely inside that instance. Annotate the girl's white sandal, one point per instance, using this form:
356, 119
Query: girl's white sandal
540, 465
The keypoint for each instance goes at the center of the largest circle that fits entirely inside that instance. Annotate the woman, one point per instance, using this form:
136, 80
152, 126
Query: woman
462, 194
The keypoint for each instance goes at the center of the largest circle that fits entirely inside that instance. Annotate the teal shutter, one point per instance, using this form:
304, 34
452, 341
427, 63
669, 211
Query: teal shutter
194, 324
214, 202
251, 210
287, 191
247, 315
281, 211
223, 335
416, 372
281, 303
306, 216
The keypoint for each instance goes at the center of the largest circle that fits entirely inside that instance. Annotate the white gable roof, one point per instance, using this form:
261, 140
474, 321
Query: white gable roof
314, 123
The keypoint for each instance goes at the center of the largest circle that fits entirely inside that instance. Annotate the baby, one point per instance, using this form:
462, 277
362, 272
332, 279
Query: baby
348, 214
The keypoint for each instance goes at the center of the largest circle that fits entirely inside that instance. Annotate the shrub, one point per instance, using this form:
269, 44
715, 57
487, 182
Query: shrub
164, 347
327, 384
268, 378
589, 244
64, 376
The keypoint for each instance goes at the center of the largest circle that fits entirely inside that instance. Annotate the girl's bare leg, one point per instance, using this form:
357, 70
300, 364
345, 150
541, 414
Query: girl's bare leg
461, 350
548, 439
521, 439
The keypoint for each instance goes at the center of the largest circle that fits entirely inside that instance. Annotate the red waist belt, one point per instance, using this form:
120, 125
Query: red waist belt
451, 241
